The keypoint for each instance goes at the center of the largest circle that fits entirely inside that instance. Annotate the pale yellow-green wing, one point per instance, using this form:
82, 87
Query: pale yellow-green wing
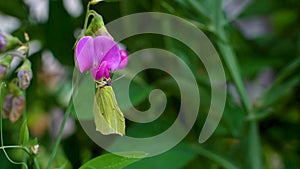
108, 117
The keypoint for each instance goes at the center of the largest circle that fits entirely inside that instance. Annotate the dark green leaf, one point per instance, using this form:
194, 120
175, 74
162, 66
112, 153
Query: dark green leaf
176, 158
112, 161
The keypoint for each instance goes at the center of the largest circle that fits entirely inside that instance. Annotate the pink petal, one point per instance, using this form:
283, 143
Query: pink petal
107, 50
124, 59
101, 71
85, 53
106, 73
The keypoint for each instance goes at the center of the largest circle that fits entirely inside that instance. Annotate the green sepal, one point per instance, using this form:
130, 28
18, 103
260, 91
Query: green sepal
14, 88
94, 2
96, 24
26, 66
12, 42
108, 117
97, 27
33, 142
6, 60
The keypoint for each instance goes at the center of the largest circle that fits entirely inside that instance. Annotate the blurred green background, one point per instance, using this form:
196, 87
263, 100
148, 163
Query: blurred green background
263, 37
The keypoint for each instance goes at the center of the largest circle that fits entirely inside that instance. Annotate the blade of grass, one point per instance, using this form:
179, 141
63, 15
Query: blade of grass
214, 157
61, 130
234, 70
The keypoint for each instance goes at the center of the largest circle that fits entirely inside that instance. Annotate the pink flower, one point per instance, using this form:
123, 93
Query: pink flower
100, 55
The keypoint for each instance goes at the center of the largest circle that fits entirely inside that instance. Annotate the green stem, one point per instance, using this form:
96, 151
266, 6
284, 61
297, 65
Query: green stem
67, 114
86, 17
61, 130
254, 151
36, 163
16, 147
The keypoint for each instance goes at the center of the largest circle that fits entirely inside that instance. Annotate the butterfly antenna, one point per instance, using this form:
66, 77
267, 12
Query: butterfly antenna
120, 77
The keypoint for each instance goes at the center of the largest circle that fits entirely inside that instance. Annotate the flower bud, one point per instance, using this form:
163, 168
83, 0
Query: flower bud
94, 2
25, 75
2, 41
8, 42
17, 108
13, 107
97, 27
12, 42
3, 71
7, 105
35, 149
4, 65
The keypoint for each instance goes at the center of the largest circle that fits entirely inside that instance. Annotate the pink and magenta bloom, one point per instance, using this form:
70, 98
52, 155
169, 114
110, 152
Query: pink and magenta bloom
100, 55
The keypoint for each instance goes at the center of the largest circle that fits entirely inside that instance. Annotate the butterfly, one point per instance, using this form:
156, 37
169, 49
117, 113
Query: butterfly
109, 119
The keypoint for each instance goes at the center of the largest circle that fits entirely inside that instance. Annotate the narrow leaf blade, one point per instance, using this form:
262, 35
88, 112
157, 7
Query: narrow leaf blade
113, 161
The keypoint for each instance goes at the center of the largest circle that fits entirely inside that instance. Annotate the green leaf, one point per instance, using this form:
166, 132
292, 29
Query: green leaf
112, 0
287, 79
255, 146
24, 133
94, 2
112, 161
278, 90
216, 158
182, 154
33, 142
233, 117
61, 160
199, 6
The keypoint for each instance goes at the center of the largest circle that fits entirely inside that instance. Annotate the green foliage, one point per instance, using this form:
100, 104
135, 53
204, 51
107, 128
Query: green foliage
112, 161
255, 132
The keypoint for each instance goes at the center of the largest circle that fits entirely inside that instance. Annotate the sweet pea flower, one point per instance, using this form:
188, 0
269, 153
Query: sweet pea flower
17, 109
25, 75
24, 79
100, 55
13, 107
7, 105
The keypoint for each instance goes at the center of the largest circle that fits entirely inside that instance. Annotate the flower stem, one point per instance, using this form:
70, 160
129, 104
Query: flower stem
36, 163
67, 114
86, 17
16, 147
